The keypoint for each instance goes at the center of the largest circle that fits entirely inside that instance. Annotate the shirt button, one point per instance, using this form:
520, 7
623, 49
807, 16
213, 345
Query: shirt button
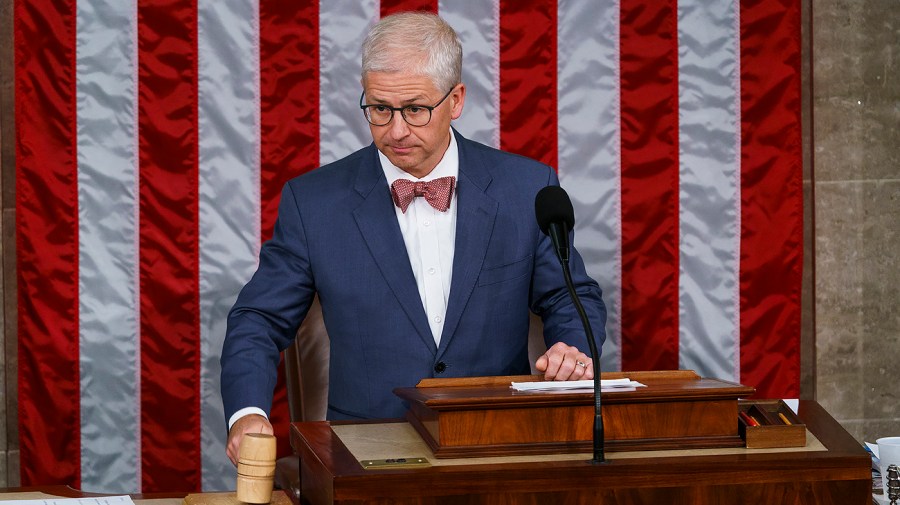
438, 319
440, 367
426, 222
431, 271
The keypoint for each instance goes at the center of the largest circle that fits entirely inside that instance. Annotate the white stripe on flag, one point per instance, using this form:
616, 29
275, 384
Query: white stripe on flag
109, 359
229, 204
709, 171
343, 25
589, 153
478, 27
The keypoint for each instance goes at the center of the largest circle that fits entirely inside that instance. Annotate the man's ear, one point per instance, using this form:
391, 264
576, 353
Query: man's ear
458, 98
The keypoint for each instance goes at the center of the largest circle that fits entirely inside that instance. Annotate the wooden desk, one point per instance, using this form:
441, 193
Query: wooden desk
840, 475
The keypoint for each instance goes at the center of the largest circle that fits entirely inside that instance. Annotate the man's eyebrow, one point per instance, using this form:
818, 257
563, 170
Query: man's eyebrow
417, 100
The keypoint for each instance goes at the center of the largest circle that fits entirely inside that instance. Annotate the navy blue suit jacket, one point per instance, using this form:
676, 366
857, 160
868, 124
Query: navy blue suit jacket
337, 235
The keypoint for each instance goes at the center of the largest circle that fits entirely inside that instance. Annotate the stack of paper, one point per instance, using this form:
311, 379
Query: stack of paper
605, 385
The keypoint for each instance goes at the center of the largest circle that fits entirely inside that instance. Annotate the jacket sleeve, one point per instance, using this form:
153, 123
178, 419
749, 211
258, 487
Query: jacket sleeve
269, 309
550, 298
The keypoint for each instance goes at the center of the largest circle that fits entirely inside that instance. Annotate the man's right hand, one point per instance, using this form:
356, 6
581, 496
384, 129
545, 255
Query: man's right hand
252, 423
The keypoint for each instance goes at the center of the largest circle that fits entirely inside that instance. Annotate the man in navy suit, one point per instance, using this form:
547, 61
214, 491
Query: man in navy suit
422, 247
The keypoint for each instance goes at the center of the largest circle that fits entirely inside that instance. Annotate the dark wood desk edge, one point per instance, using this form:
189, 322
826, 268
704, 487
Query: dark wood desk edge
504, 380
70, 492
494, 395
829, 431
55, 490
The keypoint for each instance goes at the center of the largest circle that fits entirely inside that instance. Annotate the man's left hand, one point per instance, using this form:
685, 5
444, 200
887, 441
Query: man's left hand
565, 363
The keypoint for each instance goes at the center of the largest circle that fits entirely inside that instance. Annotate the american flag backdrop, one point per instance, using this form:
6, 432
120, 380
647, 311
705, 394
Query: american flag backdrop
153, 138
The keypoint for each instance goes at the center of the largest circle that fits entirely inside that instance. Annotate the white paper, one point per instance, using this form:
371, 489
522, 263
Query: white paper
792, 403
94, 500
873, 447
605, 385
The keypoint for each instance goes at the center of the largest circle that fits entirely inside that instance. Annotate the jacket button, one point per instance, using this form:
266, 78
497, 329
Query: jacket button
440, 367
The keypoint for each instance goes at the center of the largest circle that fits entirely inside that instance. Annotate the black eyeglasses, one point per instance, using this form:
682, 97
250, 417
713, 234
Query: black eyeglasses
414, 115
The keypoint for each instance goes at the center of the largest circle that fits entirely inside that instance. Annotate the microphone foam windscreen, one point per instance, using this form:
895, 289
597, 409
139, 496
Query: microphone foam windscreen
552, 205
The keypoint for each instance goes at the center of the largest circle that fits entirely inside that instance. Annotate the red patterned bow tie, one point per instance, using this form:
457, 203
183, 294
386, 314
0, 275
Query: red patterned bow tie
437, 192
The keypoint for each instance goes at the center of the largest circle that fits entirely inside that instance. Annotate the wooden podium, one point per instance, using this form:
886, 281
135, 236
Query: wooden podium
482, 416
831, 469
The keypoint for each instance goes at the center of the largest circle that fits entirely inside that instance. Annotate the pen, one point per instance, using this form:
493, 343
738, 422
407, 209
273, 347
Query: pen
748, 419
784, 419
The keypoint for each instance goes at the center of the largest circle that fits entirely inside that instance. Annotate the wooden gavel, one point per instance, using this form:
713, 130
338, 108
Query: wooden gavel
256, 468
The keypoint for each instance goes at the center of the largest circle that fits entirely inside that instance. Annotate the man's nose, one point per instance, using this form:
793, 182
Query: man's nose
399, 127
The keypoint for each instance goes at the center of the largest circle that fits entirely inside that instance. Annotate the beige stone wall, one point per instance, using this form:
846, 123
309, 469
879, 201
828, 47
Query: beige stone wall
856, 135
851, 319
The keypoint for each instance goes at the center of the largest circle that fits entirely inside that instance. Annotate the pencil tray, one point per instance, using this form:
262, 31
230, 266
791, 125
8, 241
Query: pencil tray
778, 425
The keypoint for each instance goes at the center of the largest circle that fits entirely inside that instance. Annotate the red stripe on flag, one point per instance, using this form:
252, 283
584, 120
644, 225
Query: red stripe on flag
169, 260
649, 109
771, 198
389, 7
528, 70
289, 98
289, 128
47, 243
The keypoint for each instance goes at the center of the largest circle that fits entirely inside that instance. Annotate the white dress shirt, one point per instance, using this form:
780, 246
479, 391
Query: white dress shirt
430, 238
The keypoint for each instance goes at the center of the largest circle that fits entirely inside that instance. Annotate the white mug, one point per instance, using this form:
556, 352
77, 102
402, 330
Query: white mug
888, 454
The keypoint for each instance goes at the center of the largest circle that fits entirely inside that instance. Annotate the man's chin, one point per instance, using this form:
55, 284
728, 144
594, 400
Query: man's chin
405, 163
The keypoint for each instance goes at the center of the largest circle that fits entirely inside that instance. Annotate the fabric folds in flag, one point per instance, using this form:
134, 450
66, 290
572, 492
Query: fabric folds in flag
154, 136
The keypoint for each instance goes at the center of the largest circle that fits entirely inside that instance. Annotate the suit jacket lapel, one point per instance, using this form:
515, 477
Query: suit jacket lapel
377, 223
475, 216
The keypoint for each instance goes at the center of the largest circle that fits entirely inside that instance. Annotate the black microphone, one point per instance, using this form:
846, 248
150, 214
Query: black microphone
556, 217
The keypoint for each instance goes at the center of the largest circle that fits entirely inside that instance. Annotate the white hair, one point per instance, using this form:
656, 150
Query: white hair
414, 42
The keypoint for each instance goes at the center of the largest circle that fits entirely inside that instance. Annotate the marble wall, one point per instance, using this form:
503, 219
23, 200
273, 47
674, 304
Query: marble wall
851, 319
856, 156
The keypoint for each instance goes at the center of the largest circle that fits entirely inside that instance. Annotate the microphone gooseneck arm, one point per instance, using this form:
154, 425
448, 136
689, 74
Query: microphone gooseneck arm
559, 236
563, 254
556, 217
